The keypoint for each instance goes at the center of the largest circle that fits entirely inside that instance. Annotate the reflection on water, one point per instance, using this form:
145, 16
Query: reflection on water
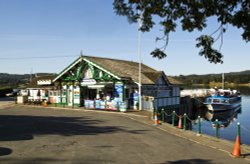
223, 118
228, 120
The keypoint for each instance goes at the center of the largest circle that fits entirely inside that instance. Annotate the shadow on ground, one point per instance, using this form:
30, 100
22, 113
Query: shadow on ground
190, 161
20, 127
54, 160
5, 151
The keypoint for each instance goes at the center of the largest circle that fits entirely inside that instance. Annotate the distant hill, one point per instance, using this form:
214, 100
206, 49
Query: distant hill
242, 77
17, 80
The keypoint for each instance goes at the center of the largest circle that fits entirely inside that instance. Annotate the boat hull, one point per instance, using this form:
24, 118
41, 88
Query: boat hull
236, 102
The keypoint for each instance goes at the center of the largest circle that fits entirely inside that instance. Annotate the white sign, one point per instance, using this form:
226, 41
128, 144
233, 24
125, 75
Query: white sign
43, 82
88, 82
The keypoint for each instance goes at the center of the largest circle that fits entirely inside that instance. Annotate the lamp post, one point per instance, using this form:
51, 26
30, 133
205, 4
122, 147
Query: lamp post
139, 59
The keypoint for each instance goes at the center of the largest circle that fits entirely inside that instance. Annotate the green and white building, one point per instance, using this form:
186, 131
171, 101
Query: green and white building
104, 83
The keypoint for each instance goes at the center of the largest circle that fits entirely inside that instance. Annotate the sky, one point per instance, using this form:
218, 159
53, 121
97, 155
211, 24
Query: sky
34, 31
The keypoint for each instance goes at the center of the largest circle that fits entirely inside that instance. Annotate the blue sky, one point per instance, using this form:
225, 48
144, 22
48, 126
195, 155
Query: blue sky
41, 28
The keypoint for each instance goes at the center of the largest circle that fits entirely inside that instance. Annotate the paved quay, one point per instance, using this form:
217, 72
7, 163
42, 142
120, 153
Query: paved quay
34, 134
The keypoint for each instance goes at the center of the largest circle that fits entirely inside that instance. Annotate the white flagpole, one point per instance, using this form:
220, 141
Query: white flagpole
139, 61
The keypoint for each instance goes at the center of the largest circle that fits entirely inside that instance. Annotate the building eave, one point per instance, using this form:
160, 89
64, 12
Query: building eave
68, 68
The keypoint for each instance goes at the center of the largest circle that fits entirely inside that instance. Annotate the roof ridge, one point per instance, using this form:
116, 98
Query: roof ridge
122, 60
109, 58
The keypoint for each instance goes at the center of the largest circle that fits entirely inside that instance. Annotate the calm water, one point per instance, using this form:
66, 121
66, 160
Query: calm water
229, 120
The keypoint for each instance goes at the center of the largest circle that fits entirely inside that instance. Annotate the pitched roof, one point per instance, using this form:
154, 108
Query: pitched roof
33, 83
122, 69
174, 81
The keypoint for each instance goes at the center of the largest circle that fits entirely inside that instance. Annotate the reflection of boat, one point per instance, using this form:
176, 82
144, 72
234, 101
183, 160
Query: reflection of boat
223, 100
224, 117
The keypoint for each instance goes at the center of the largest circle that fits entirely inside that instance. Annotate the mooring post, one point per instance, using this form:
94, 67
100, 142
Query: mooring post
162, 115
238, 133
216, 128
185, 121
199, 125
153, 111
173, 118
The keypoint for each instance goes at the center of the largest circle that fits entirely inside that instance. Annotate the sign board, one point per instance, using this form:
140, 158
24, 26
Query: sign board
119, 91
88, 82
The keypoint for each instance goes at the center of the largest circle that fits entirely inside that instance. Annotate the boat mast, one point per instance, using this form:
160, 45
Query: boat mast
222, 80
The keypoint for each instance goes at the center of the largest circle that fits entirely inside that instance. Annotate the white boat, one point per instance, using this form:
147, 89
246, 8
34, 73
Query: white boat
223, 100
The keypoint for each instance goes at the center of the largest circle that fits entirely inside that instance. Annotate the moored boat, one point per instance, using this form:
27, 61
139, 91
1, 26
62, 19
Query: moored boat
223, 100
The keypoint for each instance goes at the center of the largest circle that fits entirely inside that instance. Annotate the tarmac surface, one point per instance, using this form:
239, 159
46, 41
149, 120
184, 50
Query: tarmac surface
34, 134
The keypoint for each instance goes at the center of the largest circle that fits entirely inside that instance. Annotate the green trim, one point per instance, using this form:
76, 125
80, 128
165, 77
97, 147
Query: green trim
79, 71
73, 95
96, 73
68, 68
101, 68
67, 97
70, 78
61, 96
107, 74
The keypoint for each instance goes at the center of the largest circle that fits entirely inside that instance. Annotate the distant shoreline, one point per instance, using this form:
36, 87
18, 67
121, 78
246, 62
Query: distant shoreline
227, 85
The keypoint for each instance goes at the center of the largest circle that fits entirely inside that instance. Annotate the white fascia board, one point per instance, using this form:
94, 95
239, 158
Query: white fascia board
80, 59
137, 83
102, 68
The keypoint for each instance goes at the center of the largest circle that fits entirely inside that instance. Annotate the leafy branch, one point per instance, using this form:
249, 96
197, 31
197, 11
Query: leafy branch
191, 15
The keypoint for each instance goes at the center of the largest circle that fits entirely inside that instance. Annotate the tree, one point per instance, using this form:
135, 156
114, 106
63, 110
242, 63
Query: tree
191, 15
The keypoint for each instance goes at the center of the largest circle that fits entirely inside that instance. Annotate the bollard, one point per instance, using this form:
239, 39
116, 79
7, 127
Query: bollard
153, 113
238, 132
216, 128
180, 122
173, 118
185, 121
162, 115
236, 151
156, 119
44, 103
199, 125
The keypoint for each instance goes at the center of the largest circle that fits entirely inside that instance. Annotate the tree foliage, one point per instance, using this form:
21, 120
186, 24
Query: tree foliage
191, 15
242, 77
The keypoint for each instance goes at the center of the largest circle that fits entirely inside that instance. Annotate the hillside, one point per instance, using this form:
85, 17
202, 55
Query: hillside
242, 77
17, 80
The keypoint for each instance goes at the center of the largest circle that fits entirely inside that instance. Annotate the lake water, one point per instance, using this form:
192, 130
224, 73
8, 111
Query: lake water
229, 120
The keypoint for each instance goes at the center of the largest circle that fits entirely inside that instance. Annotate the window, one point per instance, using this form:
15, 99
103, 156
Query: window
216, 100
